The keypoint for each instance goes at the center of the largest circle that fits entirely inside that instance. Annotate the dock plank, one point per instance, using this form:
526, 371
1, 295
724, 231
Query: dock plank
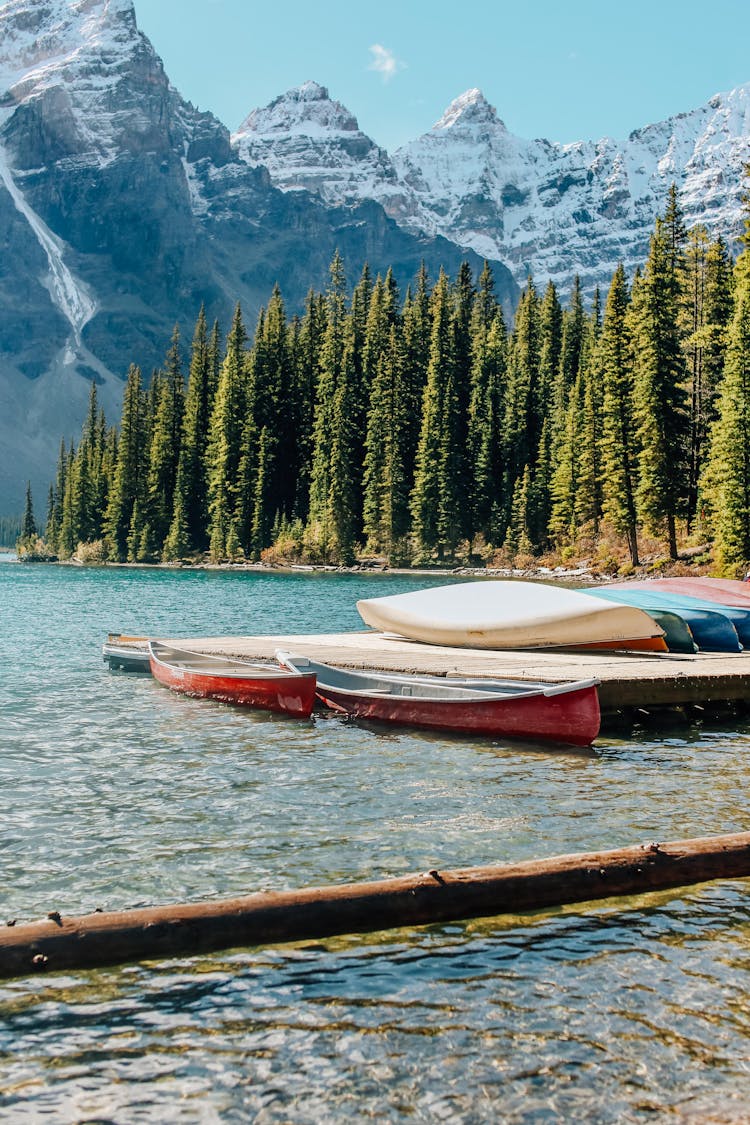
637, 680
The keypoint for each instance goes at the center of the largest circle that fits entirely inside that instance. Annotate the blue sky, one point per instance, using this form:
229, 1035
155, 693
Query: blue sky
565, 71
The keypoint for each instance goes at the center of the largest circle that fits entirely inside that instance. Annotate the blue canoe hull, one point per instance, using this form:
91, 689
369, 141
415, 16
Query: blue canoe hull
712, 629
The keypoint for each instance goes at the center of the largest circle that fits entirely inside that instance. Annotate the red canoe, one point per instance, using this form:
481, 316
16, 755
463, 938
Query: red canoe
566, 713
232, 681
725, 591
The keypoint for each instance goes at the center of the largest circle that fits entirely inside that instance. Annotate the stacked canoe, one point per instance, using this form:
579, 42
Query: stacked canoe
504, 614
715, 611
681, 615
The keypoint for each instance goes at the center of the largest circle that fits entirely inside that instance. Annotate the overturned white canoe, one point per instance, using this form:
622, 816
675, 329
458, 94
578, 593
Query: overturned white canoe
509, 614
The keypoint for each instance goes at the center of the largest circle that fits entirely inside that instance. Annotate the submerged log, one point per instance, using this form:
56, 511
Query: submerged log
61, 943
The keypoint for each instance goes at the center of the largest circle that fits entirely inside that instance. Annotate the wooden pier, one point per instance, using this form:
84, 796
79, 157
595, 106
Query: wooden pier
630, 683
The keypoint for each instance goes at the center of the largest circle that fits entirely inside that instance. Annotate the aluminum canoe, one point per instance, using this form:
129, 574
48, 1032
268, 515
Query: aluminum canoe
567, 713
126, 653
233, 681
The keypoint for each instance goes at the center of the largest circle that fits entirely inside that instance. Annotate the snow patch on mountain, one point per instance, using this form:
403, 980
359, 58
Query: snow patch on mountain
71, 55
69, 294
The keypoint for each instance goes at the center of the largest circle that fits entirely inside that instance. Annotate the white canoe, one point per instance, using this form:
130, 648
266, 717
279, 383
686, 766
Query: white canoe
509, 614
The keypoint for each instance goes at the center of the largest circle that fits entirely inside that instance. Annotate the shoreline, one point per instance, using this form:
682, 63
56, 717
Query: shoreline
680, 568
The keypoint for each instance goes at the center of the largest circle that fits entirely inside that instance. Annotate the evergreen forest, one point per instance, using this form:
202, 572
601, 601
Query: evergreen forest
421, 428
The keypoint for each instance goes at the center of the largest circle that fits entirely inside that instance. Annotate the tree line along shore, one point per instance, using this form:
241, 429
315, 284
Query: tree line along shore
427, 431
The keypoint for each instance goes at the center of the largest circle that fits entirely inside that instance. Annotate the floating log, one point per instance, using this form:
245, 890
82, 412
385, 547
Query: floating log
61, 943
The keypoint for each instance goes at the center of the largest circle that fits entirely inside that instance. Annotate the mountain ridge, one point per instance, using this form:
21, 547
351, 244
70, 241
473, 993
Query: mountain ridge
550, 209
123, 208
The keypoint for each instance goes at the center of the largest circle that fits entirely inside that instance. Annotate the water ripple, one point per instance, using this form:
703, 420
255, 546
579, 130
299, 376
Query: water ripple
116, 793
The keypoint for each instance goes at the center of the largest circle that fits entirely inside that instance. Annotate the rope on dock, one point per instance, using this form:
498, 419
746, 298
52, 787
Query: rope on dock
60, 943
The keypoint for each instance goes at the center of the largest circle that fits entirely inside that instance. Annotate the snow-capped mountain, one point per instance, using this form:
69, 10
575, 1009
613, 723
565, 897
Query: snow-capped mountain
122, 208
307, 140
548, 209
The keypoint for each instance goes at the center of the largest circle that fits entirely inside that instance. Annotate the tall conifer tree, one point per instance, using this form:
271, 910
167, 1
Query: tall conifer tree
129, 485
434, 496
619, 450
225, 439
332, 517
164, 458
188, 530
28, 523
726, 482
522, 424
659, 397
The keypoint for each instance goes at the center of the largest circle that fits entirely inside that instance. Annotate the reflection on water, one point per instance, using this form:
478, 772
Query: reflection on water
116, 793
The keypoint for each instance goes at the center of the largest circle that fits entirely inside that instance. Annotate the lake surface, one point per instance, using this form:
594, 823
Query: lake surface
115, 793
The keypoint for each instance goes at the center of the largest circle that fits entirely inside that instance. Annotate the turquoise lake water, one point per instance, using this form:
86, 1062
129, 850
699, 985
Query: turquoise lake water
115, 793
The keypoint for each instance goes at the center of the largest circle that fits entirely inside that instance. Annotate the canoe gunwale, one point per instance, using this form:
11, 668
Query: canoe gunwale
527, 689
243, 669
537, 714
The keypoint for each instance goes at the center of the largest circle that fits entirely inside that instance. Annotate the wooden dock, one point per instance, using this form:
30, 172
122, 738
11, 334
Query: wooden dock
630, 683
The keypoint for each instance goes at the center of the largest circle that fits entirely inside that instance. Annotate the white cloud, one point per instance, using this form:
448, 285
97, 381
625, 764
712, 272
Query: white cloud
384, 62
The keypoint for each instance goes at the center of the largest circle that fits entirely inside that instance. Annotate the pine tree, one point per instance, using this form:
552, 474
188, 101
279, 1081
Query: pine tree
165, 446
50, 513
489, 361
190, 514
129, 484
70, 529
574, 328
305, 345
726, 481
178, 543
417, 331
659, 395
518, 540
434, 497
267, 480
86, 501
331, 521
551, 406
460, 478
619, 450
224, 450
343, 494
360, 308
550, 352
54, 514
565, 517
280, 413
28, 523
589, 500
706, 312
522, 424
385, 509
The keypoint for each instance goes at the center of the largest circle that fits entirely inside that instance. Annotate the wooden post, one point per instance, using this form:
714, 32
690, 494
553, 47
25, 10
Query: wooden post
412, 900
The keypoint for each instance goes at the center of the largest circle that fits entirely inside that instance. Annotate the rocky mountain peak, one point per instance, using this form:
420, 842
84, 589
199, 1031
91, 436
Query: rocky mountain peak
469, 108
37, 37
123, 209
309, 141
307, 109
